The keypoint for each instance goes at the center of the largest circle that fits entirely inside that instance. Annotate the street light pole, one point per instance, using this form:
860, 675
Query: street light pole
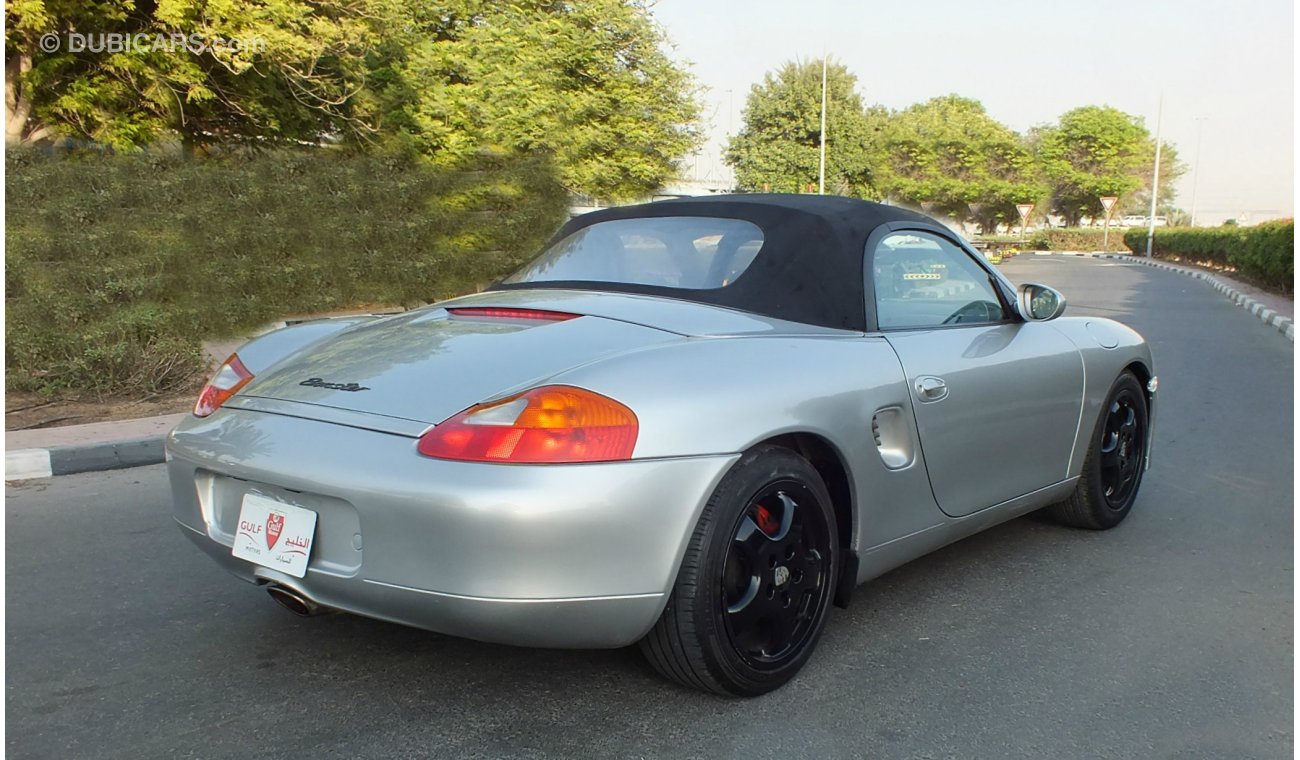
731, 109
1196, 163
821, 170
1155, 179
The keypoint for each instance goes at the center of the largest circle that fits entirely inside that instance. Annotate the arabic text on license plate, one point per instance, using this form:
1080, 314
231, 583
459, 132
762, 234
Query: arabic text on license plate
274, 534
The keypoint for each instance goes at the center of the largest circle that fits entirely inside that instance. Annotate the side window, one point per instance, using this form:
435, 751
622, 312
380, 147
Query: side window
922, 280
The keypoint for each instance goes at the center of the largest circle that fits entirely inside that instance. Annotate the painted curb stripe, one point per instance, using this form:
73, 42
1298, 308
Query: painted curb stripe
29, 464
25, 464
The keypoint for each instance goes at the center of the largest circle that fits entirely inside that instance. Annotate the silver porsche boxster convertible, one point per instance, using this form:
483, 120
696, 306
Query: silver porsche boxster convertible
695, 424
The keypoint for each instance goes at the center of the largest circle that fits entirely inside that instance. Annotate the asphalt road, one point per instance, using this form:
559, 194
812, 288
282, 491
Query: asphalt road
1169, 636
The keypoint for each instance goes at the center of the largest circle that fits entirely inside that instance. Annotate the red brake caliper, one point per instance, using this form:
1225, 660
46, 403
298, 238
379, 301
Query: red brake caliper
766, 521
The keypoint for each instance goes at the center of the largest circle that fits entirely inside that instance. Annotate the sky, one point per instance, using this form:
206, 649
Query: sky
1225, 69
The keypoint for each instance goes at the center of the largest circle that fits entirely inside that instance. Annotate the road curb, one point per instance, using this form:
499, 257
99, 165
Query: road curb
1260, 310
30, 464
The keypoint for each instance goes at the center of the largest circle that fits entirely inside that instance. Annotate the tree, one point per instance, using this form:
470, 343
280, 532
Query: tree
1098, 150
292, 79
1139, 201
949, 152
777, 147
585, 81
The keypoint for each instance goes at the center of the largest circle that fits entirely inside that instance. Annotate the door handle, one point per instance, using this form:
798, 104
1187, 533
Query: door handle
931, 388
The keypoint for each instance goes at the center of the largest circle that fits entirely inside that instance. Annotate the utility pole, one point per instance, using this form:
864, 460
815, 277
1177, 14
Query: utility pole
1196, 163
821, 170
1155, 179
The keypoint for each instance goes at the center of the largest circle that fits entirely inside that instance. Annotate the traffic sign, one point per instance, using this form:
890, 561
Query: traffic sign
1107, 203
1024, 209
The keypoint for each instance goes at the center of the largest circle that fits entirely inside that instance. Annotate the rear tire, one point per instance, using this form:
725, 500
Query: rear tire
1112, 469
759, 574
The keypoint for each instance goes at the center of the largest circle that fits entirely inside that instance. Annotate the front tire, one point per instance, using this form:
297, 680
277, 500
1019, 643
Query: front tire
1112, 469
751, 597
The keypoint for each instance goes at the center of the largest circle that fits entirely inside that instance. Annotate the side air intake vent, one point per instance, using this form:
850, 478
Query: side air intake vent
893, 437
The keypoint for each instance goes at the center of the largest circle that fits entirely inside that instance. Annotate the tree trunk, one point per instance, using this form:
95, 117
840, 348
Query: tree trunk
18, 100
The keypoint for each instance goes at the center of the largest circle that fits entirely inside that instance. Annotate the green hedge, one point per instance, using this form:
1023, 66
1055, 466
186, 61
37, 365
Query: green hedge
119, 266
1264, 254
1075, 239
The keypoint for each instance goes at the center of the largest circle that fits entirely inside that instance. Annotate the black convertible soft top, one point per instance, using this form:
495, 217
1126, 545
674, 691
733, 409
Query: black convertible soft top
809, 268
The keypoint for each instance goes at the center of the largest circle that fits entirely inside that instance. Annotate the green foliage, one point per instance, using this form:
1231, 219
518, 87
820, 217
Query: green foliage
586, 82
1202, 245
118, 266
1076, 239
946, 154
1264, 254
950, 152
778, 146
1268, 255
1095, 151
294, 78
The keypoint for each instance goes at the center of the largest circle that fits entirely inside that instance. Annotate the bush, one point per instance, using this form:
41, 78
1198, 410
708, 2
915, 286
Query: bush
119, 266
1268, 255
1209, 245
1075, 239
1264, 254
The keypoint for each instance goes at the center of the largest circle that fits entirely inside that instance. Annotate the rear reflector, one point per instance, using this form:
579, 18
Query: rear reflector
551, 425
492, 312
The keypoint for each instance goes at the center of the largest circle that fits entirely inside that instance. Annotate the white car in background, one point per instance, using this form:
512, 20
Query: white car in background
1137, 220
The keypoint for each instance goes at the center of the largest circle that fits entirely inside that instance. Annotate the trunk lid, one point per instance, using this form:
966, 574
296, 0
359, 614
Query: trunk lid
428, 365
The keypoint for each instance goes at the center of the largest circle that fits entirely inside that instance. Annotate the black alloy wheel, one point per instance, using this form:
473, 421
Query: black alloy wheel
776, 575
752, 594
1114, 463
1123, 447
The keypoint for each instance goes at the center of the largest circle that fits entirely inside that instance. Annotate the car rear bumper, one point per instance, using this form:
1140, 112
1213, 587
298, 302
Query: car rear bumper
556, 556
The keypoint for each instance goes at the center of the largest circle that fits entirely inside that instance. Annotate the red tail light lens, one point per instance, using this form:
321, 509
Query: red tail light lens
229, 378
551, 425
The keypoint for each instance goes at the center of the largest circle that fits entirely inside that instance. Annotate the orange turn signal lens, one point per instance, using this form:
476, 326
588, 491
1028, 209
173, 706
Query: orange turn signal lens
550, 425
229, 378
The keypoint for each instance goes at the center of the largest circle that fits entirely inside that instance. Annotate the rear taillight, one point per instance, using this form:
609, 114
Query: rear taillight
229, 378
550, 425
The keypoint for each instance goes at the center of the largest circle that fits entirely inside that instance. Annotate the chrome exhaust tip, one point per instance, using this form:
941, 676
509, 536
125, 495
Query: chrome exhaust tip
293, 601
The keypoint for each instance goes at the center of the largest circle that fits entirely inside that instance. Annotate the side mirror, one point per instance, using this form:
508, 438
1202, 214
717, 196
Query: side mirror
1039, 303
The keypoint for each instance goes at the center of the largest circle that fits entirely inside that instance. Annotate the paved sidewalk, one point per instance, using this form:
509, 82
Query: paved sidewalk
95, 432
97, 446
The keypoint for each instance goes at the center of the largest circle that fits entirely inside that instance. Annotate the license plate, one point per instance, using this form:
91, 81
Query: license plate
274, 534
